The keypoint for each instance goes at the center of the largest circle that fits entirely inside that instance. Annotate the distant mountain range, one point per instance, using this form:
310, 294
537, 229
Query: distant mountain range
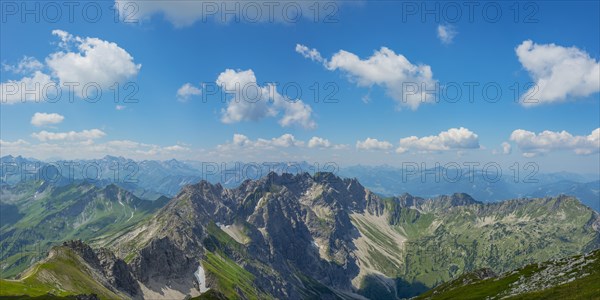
283, 236
391, 181
150, 179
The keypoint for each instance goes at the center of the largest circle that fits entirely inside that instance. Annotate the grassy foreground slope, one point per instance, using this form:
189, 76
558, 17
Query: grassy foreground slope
44, 215
63, 273
576, 277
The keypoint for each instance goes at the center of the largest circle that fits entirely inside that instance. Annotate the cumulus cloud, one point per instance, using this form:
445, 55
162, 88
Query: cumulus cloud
532, 144
241, 141
317, 142
285, 141
92, 61
252, 102
26, 65
446, 33
186, 91
43, 119
506, 148
452, 139
560, 73
79, 64
176, 148
85, 149
402, 80
8, 144
373, 144
311, 54
69, 136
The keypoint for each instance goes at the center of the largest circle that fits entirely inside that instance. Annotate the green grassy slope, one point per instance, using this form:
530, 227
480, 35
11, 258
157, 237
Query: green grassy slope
50, 215
63, 273
574, 277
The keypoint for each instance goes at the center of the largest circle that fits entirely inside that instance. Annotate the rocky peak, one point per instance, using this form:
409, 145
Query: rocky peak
454, 200
84, 251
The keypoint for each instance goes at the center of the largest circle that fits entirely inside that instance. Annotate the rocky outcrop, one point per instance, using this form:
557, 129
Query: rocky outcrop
118, 273
114, 270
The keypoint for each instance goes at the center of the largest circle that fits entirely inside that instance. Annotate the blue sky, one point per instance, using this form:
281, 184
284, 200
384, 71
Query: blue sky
172, 45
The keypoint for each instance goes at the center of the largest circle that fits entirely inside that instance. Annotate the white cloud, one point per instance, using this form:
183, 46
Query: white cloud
251, 102
17, 143
312, 54
43, 119
241, 141
286, 140
120, 107
69, 136
282, 146
403, 81
85, 149
186, 91
37, 87
531, 143
27, 65
506, 148
176, 148
94, 61
373, 144
453, 138
317, 142
560, 73
446, 33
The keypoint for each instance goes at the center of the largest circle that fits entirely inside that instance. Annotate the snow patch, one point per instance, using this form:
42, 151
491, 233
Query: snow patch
200, 276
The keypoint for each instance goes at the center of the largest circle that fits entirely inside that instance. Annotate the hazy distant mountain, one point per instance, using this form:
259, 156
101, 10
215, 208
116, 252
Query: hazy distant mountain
150, 179
588, 192
147, 179
391, 181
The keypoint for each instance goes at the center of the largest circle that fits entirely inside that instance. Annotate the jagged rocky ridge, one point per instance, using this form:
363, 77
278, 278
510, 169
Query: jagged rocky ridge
299, 236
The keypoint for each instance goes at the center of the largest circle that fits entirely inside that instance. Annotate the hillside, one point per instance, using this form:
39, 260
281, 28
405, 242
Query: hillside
64, 272
573, 277
44, 214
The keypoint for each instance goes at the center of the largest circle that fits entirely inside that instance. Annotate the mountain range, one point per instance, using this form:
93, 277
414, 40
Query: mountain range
150, 179
283, 236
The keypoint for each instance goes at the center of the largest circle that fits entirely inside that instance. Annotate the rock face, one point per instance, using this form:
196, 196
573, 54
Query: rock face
114, 270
